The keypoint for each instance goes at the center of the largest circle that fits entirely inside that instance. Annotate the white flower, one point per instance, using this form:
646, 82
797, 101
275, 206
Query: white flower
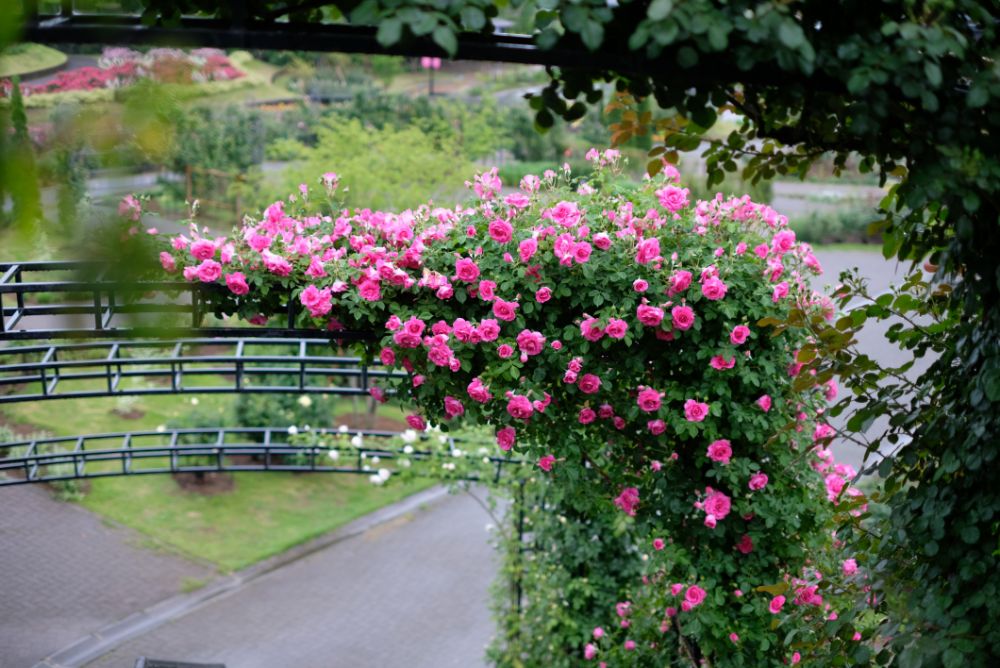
305, 401
194, 401
342, 429
442, 439
358, 440
384, 474
161, 428
376, 480
405, 463
486, 460
448, 466
484, 451
409, 436
408, 449
293, 430
376, 459
457, 453
334, 455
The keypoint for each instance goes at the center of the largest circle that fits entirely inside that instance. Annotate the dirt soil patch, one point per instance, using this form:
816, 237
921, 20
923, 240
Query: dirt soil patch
208, 483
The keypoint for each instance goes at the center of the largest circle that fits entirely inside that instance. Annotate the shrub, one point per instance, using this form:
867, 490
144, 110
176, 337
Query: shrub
632, 345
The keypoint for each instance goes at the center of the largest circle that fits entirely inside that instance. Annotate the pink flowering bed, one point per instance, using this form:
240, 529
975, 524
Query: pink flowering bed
119, 68
612, 335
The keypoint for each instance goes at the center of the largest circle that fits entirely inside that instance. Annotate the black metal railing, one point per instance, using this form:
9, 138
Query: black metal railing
219, 449
176, 366
75, 299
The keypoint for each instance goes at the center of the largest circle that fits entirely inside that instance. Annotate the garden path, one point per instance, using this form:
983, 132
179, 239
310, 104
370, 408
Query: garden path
411, 592
67, 574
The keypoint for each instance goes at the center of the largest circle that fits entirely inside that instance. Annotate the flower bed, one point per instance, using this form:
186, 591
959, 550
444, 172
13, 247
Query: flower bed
622, 338
119, 68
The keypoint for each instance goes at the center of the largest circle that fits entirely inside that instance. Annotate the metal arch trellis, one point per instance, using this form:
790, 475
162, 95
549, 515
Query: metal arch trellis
212, 449
36, 306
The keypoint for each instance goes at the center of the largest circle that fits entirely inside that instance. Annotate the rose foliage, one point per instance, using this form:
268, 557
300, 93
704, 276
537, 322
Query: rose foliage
608, 333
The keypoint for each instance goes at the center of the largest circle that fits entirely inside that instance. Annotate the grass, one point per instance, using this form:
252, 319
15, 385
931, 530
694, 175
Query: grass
265, 514
868, 248
26, 59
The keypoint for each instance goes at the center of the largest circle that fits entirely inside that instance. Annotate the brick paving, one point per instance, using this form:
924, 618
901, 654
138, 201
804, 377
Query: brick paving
412, 592
66, 574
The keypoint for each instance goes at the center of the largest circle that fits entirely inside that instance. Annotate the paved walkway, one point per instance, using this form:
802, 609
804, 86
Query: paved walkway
66, 574
412, 592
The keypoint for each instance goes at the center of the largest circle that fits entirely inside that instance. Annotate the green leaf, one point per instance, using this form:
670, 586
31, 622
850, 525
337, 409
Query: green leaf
445, 38
933, 73
592, 35
389, 32
659, 9
970, 534
791, 35
473, 18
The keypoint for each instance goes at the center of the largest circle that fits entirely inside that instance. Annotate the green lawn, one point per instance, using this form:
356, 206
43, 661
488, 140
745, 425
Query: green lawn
265, 514
23, 59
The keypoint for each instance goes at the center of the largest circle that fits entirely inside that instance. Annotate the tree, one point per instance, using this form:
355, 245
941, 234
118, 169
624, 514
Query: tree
22, 176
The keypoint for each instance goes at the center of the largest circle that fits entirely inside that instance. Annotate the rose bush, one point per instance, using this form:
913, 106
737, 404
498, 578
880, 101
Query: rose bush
610, 334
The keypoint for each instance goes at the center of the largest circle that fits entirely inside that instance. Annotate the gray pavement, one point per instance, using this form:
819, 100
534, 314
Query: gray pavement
66, 574
881, 273
411, 592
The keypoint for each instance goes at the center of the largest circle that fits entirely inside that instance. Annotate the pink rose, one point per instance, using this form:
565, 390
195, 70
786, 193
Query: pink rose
679, 281
543, 295
640, 285
720, 363
591, 329
587, 415
720, 451
505, 351
780, 292
717, 504
682, 316
672, 198
237, 283
628, 500
651, 316
505, 310
616, 328
649, 400
546, 462
531, 343
776, 604
478, 391
466, 270
758, 481
519, 406
489, 329
370, 290
783, 242
167, 260
745, 546
589, 383
203, 249
739, 334
850, 567
388, 356
501, 231
589, 651
208, 271
694, 595
602, 240
647, 250
656, 427
316, 300
764, 402
487, 290
506, 438
452, 407
695, 411
659, 544
713, 289
416, 422
527, 248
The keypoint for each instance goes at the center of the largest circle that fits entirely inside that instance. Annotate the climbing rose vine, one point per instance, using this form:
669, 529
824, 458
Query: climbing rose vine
609, 334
